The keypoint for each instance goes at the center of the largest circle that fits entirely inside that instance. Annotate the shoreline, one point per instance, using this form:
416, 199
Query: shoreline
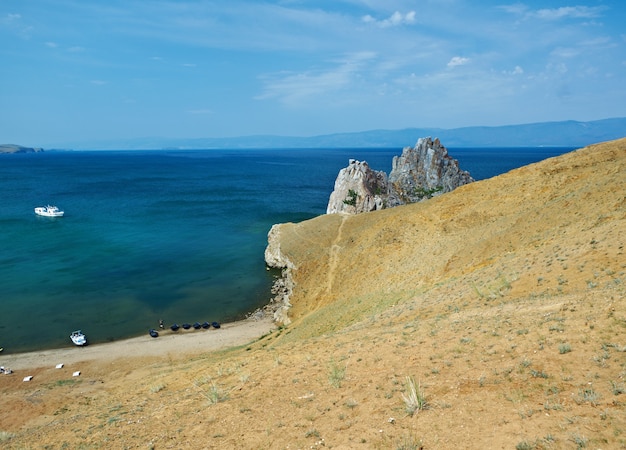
169, 343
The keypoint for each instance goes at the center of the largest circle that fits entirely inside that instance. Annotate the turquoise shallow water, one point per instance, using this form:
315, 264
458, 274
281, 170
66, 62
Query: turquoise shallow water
172, 235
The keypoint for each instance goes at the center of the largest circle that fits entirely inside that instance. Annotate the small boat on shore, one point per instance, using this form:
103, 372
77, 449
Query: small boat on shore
188, 326
154, 333
49, 211
78, 338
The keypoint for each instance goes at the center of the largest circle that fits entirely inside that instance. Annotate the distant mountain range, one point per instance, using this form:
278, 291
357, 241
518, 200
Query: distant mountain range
550, 134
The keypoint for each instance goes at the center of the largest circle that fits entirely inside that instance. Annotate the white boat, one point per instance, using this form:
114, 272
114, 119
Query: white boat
78, 338
49, 211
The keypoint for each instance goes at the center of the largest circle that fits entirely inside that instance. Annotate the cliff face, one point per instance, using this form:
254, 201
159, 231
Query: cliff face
358, 188
424, 171
281, 290
421, 172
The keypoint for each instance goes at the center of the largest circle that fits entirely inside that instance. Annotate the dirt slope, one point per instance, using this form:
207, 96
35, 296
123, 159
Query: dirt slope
504, 300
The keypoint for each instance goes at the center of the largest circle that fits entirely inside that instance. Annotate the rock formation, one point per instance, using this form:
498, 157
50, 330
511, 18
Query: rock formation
12, 148
421, 172
358, 188
425, 171
282, 287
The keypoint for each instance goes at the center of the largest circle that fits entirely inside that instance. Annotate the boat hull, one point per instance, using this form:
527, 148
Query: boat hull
48, 211
78, 338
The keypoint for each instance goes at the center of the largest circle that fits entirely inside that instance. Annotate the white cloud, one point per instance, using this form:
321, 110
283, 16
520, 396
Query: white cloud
294, 88
10, 20
51, 44
394, 20
516, 71
458, 61
557, 68
575, 12
565, 52
518, 8
14, 23
564, 12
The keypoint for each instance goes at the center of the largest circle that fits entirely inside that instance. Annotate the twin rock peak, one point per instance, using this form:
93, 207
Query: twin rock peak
421, 172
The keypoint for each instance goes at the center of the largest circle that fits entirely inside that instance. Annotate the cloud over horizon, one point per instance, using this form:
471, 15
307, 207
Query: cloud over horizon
288, 68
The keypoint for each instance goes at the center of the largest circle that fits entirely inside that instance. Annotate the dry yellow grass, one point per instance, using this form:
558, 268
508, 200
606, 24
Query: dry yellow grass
504, 300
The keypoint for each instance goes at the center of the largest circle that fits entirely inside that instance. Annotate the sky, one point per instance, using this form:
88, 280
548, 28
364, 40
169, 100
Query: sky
89, 70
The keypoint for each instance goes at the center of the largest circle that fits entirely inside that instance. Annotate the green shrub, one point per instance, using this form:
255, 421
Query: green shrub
351, 198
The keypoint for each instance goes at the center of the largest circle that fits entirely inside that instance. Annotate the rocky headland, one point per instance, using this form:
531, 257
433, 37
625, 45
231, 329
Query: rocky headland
501, 304
419, 173
12, 148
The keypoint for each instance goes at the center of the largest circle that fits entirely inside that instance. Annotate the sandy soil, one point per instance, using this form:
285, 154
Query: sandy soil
171, 344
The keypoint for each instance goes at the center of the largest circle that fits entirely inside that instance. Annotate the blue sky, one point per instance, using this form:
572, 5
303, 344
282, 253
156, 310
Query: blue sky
80, 70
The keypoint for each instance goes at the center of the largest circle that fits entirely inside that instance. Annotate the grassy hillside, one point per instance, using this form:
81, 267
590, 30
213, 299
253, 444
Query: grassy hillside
490, 317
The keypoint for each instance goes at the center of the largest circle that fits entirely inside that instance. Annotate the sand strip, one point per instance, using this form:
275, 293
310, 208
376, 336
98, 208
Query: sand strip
169, 343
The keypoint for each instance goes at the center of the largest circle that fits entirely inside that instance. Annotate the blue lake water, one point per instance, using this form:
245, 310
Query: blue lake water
172, 235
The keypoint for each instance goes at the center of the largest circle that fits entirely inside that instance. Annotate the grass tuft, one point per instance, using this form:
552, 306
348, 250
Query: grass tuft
413, 396
409, 442
337, 374
618, 388
216, 395
588, 395
565, 348
525, 445
157, 388
5, 436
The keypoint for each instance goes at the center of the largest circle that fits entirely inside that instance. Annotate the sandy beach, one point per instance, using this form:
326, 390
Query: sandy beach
169, 343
